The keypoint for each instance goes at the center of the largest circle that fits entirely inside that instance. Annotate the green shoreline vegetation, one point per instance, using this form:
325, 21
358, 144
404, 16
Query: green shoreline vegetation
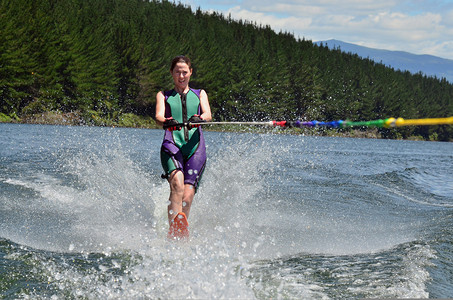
129, 120
101, 62
87, 118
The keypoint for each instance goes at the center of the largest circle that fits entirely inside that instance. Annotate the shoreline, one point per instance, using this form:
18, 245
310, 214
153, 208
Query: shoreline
77, 118
129, 120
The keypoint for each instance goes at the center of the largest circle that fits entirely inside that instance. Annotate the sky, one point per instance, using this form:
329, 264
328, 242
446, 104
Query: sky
415, 26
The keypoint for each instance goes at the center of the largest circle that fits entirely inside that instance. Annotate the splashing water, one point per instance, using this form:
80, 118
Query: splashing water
101, 201
275, 217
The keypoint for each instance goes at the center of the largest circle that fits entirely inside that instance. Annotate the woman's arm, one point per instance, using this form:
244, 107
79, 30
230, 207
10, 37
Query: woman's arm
160, 109
205, 107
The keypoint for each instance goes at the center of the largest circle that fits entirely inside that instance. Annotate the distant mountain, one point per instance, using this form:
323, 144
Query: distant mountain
399, 60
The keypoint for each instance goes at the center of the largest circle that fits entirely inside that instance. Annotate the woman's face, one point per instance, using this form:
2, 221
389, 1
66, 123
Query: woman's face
181, 76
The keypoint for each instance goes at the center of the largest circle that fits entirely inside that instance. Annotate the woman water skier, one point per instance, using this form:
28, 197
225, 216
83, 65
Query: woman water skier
183, 151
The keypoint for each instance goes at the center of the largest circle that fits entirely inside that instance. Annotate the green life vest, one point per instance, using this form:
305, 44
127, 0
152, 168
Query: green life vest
181, 108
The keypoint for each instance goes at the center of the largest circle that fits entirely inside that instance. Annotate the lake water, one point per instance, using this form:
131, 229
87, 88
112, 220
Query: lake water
83, 215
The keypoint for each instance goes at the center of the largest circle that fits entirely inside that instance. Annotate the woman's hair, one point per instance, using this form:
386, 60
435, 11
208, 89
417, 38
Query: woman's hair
180, 58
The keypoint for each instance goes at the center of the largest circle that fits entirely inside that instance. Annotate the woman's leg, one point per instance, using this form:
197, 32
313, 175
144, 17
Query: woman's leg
176, 181
189, 193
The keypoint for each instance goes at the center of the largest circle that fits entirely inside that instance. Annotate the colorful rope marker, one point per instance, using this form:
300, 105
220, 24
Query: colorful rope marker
381, 123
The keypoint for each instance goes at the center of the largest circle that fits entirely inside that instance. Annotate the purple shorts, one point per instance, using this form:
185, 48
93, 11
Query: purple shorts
190, 158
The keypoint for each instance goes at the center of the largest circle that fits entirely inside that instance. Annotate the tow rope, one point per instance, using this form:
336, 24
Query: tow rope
381, 123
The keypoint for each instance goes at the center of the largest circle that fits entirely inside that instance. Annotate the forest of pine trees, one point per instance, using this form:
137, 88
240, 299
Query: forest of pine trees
104, 59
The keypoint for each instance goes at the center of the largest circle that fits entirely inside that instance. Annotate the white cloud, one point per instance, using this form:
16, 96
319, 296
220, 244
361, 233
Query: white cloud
356, 7
285, 24
448, 19
295, 9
